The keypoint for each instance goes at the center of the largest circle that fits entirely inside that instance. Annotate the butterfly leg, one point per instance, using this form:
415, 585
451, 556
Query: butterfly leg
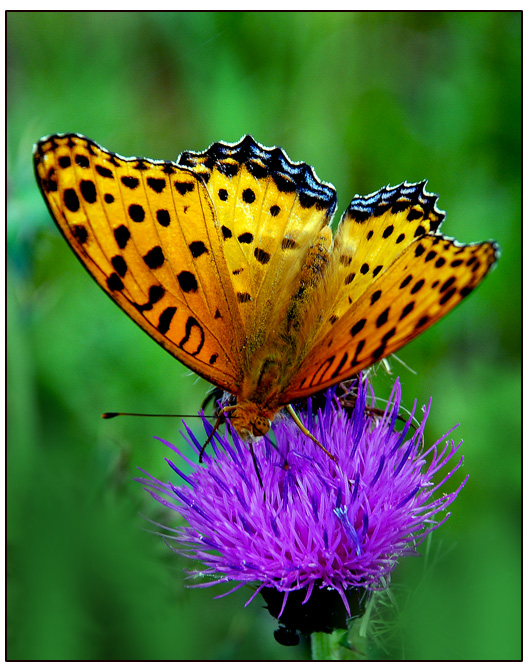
218, 421
306, 432
255, 463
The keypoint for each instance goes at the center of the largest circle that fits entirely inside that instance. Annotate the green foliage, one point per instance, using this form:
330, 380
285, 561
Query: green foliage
368, 99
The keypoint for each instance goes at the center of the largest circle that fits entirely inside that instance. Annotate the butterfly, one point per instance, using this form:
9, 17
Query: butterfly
226, 258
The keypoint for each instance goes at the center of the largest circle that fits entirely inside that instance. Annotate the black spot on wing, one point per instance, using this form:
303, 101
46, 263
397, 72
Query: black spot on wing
104, 172
288, 243
257, 169
358, 327
49, 184
154, 258
197, 249
415, 214
71, 200
322, 370
447, 296
163, 217
380, 351
262, 256
165, 319
248, 196
114, 282
184, 186
130, 182
375, 296
406, 310
156, 184
119, 265
340, 365
122, 235
359, 349
245, 238
382, 318
187, 282
192, 326
136, 213
80, 233
156, 293
88, 191
228, 169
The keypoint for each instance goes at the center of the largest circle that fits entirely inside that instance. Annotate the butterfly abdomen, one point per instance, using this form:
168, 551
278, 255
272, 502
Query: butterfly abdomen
311, 274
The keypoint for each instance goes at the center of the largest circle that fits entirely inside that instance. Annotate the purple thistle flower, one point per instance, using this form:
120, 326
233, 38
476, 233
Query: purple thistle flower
315, 524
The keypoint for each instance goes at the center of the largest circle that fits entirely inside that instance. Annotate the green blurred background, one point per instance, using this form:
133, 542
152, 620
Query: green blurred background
368, 99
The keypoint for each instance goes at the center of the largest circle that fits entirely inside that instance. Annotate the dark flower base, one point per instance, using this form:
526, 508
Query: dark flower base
323, 612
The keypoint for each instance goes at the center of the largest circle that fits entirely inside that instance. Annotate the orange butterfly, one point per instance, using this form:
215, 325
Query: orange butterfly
227, 259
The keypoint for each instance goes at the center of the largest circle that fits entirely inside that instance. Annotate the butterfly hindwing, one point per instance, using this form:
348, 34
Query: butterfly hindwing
374, 231
147, 233
270, 211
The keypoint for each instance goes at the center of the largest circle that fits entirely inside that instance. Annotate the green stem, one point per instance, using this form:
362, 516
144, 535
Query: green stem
324, 646
340, 644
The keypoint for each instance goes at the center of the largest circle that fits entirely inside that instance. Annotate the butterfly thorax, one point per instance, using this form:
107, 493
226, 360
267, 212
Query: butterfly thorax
258, 402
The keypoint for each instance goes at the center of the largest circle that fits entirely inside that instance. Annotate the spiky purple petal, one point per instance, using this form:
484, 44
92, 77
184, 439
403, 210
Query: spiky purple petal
315, 522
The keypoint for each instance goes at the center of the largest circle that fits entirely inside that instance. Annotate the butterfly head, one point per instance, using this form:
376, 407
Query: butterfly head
251, 421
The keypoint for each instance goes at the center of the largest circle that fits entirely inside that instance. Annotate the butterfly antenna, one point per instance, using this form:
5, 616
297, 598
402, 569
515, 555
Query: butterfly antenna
113, 414
306, 432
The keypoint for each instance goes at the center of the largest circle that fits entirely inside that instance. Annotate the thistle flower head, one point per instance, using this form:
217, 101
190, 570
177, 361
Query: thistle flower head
314, 524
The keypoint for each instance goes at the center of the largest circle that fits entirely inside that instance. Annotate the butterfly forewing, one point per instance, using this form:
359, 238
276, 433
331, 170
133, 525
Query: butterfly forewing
146, 232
